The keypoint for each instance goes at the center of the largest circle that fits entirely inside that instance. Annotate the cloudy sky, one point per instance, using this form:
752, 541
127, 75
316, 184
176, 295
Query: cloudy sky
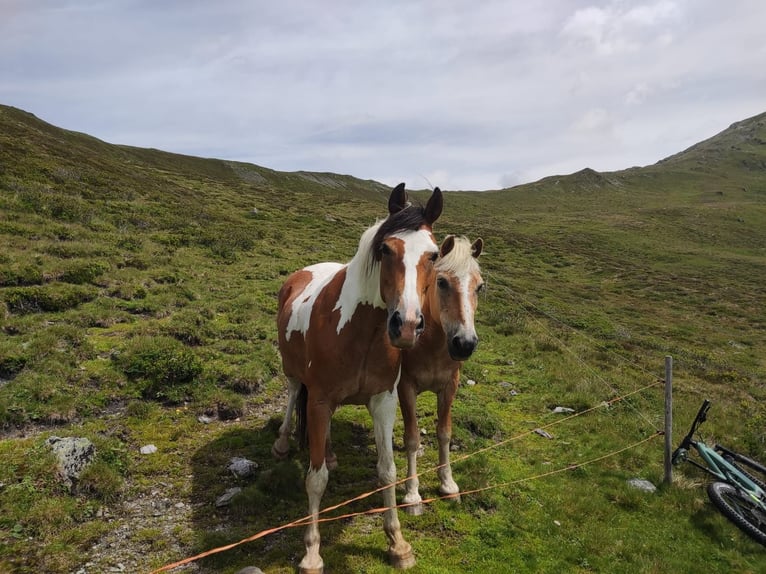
462, 94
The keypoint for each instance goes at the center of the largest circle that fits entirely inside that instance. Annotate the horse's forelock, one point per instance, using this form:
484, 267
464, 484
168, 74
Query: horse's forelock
412, 218
459, 260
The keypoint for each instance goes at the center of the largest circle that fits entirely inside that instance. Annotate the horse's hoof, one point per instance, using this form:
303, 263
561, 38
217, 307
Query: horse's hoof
317, 566
279, 454
401, 560
414, 509
453, 496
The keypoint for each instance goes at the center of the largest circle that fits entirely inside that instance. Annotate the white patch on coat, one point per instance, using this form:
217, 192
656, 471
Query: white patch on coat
300, 314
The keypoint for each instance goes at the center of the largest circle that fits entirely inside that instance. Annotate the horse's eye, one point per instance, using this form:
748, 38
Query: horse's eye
480, 288
385, 249
442, 283
434, 256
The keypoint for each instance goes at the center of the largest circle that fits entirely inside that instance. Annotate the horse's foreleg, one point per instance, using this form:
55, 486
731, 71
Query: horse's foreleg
407, 403
331, 460
316, 482
281, 446
383, 410
444, 436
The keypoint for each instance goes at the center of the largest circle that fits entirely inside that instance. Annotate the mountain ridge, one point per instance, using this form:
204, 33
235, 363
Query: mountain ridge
745, 138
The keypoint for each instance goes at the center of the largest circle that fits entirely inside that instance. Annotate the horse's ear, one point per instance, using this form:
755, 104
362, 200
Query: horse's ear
447, 245
434, 206
398, 199
476, 247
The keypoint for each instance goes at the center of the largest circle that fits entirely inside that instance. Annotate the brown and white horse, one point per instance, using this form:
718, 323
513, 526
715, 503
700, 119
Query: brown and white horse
341, 331
434, 363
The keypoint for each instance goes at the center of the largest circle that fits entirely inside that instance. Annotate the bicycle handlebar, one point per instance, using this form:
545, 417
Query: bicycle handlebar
680, 453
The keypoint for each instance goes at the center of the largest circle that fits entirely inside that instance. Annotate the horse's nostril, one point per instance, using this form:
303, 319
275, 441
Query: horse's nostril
395, 323
421, 323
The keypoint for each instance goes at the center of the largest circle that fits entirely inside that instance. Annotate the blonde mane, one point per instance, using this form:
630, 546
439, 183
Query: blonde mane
460, 260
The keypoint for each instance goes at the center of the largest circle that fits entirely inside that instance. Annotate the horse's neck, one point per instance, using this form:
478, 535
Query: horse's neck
360, 287
433, 337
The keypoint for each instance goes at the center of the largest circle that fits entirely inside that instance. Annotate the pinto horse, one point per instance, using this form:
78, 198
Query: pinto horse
342, 329
434, 363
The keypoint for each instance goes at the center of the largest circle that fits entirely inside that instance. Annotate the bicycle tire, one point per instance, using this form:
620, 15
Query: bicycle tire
739, 509
744, 465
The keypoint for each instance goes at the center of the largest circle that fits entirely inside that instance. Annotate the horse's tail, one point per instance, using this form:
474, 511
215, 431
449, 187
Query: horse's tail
301, 407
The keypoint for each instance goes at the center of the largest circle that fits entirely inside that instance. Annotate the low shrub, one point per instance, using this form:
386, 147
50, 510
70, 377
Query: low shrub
163, 367
47, 298
80, 273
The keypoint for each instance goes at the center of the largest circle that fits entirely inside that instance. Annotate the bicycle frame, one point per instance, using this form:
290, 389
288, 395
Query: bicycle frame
725, 471
715, 464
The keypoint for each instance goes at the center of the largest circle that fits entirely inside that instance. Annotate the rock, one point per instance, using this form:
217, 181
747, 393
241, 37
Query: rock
148, 449
242, 467
205, 420
226, 498
470, 382
562, 410
250, 570
642, 484
543, 434
227, 412
74, 455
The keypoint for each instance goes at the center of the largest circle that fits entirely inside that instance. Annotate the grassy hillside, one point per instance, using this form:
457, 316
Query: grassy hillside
137, 293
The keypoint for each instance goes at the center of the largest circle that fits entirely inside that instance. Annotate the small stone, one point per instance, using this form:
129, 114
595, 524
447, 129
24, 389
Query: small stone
242, 467
205, 420
557, 523
543, 433
250, 570
148, 449
180, 505
642, 484
226, 498
562, 410
73, 455
470, 382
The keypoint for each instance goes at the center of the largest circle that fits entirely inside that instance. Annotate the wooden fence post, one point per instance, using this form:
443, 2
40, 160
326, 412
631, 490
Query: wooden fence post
668, 419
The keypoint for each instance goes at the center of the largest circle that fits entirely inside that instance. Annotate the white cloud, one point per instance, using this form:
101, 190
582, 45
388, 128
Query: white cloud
471, 95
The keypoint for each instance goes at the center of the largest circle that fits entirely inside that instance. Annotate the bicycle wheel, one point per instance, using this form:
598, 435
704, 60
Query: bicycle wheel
738, 507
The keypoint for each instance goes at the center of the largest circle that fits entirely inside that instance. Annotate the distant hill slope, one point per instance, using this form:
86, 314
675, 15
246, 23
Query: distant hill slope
25, 138
742, 146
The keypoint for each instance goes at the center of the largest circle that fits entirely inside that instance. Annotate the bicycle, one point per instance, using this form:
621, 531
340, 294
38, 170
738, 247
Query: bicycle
739, 488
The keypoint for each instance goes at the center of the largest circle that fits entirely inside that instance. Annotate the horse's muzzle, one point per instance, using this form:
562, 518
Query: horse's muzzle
404, 334
461, 348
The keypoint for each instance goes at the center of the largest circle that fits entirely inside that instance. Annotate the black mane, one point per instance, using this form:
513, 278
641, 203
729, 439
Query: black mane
411, 218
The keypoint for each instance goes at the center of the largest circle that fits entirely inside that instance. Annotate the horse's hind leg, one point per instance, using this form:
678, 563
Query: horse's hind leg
382, 407
444, 436
281, 446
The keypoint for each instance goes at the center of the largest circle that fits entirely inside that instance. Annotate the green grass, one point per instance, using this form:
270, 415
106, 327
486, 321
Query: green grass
138, 291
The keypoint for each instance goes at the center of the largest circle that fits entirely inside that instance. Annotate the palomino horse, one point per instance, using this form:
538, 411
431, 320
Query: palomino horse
434, 364
341, 331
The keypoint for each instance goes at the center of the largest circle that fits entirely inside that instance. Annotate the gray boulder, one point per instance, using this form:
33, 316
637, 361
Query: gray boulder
73, 454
